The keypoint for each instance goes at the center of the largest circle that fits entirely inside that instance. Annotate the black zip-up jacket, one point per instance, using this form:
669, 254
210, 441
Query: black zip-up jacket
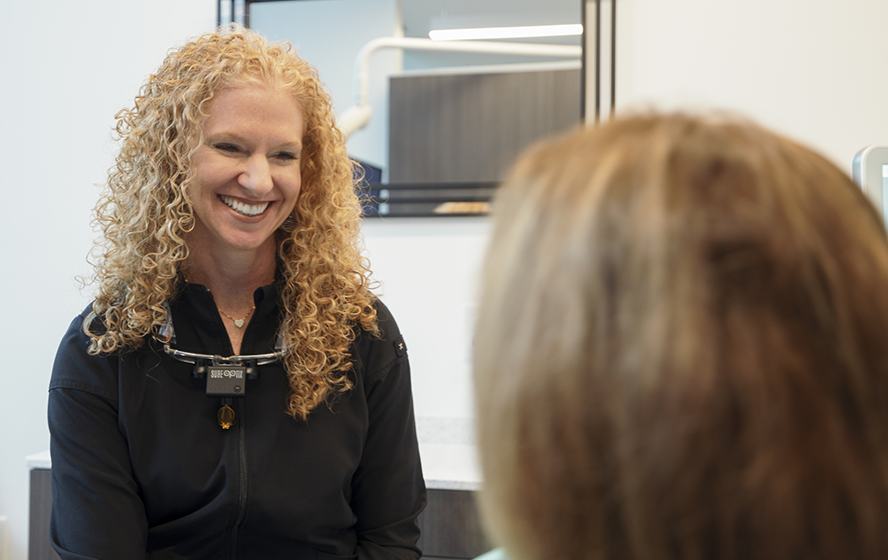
142, 469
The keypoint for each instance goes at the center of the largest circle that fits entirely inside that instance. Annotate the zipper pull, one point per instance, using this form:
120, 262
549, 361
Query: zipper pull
225, 416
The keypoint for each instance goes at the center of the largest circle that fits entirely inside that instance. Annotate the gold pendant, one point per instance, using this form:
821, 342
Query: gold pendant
225, 417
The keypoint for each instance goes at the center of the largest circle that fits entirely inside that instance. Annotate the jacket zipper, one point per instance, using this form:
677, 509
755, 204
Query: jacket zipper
242, 492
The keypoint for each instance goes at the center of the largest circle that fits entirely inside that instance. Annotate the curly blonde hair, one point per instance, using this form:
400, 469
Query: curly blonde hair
146, 211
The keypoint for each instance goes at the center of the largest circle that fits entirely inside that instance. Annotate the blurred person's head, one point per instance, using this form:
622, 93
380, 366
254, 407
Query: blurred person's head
682, 350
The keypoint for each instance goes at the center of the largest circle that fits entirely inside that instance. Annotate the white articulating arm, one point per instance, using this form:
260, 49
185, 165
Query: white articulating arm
357, 116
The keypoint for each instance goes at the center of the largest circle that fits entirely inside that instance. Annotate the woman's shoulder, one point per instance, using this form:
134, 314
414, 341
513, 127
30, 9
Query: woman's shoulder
75, 367
76, 336
388, 327
385, 352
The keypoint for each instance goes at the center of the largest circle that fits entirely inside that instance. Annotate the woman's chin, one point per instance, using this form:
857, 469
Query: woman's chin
231, 240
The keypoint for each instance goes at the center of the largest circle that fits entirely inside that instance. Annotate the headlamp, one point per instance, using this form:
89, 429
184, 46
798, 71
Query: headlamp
226, 375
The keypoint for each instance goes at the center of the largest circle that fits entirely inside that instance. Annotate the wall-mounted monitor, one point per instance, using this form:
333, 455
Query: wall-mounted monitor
870, 171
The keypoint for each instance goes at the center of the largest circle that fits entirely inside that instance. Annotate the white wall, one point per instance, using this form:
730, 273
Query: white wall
812, 69
428, 268
68, 67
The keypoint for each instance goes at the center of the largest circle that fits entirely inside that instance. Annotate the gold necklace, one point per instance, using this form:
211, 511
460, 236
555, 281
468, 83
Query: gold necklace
239, 323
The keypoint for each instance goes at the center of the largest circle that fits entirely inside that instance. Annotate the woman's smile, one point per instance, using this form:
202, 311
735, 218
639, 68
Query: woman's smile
243, 208
247, 170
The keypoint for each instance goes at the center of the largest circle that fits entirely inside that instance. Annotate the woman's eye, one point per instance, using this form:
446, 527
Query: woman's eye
287, 156
226, 148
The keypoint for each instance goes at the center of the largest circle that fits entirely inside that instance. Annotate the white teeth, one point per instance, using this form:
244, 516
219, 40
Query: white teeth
245, 209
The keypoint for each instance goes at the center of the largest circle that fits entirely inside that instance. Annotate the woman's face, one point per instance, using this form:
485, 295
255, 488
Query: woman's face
247, 171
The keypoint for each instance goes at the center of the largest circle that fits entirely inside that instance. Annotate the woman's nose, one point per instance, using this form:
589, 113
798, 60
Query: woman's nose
257, 175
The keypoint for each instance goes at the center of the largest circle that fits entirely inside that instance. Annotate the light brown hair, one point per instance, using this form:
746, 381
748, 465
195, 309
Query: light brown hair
682, 350
146, 211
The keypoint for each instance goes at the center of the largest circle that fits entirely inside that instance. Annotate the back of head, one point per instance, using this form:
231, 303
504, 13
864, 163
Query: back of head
680, 350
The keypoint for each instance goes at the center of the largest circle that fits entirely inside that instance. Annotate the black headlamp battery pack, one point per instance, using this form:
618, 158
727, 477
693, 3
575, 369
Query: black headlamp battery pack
226, 381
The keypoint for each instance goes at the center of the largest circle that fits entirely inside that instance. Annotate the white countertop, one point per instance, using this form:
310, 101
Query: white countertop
39, 460
446, 445
449, 455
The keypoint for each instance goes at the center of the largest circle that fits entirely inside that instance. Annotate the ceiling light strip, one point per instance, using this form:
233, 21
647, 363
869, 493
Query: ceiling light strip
506, 32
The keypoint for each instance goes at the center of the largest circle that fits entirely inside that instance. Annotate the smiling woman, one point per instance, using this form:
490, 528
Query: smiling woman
231, 214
